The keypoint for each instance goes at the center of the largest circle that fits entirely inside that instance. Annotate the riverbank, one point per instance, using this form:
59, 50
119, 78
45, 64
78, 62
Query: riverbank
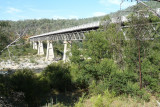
34, 62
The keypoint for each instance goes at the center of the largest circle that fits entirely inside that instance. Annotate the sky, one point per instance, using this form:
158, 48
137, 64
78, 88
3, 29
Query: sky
58, 9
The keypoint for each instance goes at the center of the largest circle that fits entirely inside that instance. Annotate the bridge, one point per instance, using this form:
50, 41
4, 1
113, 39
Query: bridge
66, 35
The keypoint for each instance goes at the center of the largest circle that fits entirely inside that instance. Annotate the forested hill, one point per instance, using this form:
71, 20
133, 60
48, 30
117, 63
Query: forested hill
35, 27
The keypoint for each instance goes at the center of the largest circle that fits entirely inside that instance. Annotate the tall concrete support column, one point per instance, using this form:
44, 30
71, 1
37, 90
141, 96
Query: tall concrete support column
50, 51
40, 48
65, 51
35, 45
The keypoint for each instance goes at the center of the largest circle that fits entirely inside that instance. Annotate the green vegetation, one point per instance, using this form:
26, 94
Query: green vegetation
121, 66
107, 69
152, 4
27, 83
18, 50
4, 35
58, 77
35, 27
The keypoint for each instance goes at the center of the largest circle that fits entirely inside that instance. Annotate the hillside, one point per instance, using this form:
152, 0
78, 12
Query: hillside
151, 4
35, 27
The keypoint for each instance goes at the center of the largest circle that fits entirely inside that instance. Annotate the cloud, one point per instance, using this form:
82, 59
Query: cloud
67, 17
73, 17
124, 5
107, 2
13, 10
58, 17
41, 11
99, 14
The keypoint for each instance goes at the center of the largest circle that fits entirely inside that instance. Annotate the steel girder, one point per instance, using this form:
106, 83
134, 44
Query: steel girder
64, 36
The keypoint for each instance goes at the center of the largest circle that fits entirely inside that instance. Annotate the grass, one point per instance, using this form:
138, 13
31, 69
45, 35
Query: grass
38, 74
106, 100
121, 101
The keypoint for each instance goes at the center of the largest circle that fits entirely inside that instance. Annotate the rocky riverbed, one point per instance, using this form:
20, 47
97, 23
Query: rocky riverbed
30, 63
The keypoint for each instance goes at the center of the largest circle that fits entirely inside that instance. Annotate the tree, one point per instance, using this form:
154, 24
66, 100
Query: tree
4, 35
35, 89
140, 34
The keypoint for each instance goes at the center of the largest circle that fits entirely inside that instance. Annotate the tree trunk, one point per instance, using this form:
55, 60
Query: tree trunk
140, 74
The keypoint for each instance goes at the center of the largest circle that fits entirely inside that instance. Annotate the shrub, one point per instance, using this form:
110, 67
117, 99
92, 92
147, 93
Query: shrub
143, 94
4, 85
80, 76
87, 71
119, 80
98, 88
97, 101
58, 76
35, 89
81, 101
150, 72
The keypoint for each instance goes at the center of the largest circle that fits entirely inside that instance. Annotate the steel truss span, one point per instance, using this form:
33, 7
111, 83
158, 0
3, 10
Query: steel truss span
73, 33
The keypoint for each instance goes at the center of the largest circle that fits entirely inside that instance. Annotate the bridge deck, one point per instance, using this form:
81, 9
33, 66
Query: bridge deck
72, 29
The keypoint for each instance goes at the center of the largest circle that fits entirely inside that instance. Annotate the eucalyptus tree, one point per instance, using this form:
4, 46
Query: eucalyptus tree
142, 32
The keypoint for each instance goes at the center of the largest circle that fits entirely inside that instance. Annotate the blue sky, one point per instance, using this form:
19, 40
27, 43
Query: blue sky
62, 9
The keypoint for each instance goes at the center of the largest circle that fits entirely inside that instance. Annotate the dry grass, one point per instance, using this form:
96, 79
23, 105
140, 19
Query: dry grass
121, 101
131, 102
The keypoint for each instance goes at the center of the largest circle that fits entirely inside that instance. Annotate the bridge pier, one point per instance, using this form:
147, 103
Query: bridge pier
65, 51
40, 48
50, 51
35, 45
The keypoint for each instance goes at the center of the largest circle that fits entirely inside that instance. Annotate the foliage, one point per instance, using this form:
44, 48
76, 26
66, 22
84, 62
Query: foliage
19, 50
35, 89
35, 27
94, 65
58, 76
108, 64
4, 82
108, 99
58, 48
4, 35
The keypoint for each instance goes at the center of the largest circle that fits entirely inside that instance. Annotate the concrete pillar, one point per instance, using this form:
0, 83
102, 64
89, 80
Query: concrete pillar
50, 51
40, 48
65, 51
35, 45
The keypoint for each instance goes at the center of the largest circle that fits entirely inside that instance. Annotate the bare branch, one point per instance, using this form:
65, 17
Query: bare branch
153, 11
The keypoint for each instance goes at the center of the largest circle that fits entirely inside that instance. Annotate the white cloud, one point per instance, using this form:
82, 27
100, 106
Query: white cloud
67, 17
125, 4
13, 10
73, 17
99, 14
58, 17
107, 2
40, 10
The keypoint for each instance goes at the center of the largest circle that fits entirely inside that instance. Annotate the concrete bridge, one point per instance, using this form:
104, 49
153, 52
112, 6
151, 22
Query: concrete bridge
69, 34
66, 35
